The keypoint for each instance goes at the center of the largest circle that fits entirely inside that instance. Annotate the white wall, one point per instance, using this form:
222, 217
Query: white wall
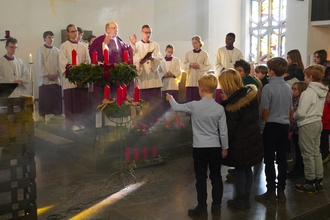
173, 21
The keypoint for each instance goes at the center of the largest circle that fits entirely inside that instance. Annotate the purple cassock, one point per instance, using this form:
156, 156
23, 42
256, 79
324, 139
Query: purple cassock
116, 52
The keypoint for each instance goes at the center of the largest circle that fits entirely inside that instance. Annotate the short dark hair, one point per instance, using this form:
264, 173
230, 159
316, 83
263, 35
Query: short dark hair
245, 65
70, 25
90, 37
278, 65
80, 30
11, 40
261, 69
46, 33
231, 35
145, 26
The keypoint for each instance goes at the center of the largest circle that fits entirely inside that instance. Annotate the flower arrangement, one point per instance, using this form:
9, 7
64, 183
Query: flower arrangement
160, 125
121, 73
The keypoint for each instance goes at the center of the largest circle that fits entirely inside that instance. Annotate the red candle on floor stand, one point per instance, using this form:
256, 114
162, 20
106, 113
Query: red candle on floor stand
125, 55
136, 154
94, 60
106, 92
119, 96
106, 56
74, 57
137, 94
154, 152
128, 155
145, 153
124, 92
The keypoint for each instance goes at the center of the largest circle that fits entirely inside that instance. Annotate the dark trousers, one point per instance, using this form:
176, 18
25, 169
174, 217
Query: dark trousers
275, 137
243, 181
324, 145
205, 158
298, 160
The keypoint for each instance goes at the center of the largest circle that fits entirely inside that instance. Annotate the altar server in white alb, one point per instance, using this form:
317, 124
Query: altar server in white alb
50, 89
150, 71
172, 76
196, 63
225, 58
75, 99
14, 70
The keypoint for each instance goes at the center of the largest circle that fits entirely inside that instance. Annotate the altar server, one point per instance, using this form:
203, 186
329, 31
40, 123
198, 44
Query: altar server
75, 99
50, 89
14, 70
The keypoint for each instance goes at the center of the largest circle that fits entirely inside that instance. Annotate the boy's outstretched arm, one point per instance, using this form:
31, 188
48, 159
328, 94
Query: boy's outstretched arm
168, 97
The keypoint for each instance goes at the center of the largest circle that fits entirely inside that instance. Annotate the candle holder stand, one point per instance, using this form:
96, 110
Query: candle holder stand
122, 175
31, 78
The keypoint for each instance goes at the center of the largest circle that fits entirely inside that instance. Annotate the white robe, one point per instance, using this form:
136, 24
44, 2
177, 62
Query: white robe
7, 69
222, 60
149, 73
171, 83
48, 64
193, 75
66, 58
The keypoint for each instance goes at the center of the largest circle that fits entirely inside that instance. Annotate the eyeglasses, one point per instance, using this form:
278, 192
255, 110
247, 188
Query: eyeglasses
147, 32
74, 31
294, 89
113, 28
12, 47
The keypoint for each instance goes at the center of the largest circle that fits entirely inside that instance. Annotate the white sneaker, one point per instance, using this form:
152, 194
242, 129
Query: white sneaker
82, 127
75, 128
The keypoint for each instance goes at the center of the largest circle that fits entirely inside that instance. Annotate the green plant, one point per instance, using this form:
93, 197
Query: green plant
121, 73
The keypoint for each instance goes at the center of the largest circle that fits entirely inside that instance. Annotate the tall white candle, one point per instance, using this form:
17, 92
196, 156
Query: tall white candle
30, 58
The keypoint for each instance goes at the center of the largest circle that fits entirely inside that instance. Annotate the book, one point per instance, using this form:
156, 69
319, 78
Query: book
146, 57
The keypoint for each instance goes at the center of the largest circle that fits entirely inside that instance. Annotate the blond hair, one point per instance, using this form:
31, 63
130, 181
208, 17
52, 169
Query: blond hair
208, 82
316, 71
230, 81
198, 39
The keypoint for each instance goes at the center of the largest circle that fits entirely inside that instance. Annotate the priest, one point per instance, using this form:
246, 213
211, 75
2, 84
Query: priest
116, 47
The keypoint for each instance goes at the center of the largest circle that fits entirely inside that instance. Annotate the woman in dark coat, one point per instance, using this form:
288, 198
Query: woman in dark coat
245, 146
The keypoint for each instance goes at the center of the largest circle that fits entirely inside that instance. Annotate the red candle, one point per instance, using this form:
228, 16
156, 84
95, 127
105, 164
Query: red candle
119, 96
106, 92
7, 32
128, 155
136, 154
125, 55
94, 60
145, 153
137, 94
74, 57
106, 56
154, 152
124, 92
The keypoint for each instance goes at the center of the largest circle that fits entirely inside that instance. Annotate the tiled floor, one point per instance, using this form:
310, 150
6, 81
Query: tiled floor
161, 192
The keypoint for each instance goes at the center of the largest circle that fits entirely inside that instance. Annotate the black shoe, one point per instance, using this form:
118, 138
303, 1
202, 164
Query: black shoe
216, 210
231, 171
295, 174
237, 203
230, 177
281, 198
307, 187
267, 197
199, 211
318, 185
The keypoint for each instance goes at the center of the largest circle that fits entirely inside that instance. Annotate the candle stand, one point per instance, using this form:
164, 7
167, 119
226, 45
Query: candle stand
122, 175
31, 78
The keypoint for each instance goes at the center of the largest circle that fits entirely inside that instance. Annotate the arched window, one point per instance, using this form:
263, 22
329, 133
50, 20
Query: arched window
267, 29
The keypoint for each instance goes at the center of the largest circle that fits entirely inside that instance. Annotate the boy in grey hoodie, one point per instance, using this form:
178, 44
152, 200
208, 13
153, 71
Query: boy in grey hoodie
308, 116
